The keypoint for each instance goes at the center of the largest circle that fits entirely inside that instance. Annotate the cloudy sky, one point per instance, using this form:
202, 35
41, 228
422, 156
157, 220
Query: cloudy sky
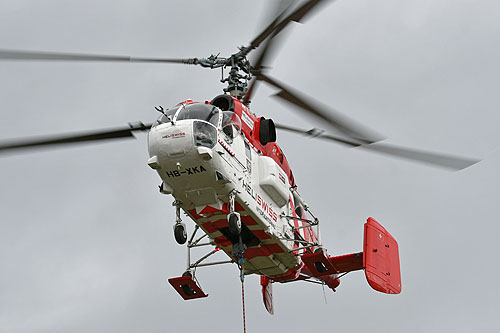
86, 240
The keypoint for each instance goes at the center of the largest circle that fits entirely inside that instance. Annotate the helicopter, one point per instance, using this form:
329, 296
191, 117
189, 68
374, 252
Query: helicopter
225, 171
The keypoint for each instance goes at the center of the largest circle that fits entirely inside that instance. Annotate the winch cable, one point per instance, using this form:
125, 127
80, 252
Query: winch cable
243, 302
242, 279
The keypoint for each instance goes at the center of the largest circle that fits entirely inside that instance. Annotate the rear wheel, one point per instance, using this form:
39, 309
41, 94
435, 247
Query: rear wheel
185, 288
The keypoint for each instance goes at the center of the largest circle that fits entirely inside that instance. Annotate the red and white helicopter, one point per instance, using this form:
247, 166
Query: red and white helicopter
224, 169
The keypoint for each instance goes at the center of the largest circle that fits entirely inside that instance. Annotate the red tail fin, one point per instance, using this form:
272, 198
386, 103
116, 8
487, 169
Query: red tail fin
267, 293
381, 259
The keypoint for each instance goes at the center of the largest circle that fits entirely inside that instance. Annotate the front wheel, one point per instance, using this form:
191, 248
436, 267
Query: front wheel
180, 233
234, 224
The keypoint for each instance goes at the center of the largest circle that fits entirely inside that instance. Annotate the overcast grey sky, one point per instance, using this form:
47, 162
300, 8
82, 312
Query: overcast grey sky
86, 240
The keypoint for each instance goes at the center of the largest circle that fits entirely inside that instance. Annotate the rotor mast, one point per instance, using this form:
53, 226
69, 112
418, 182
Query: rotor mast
237, 82
240, 73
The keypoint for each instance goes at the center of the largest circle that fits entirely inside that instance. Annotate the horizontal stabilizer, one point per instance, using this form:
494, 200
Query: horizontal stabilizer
320, 265
348, 263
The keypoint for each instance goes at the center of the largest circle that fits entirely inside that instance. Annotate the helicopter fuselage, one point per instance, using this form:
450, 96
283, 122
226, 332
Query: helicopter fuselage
204, 155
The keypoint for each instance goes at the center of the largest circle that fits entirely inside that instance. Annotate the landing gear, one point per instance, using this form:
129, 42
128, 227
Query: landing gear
180, 233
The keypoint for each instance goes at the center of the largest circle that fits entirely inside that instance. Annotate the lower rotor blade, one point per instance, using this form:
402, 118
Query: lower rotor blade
436, 159
56, 56
74, 138
349, 127
314, 133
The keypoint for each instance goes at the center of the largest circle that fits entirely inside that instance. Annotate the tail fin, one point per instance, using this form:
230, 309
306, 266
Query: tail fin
381, 259
267, 293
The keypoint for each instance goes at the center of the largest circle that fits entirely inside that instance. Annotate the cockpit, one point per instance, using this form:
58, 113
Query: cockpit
205, 112
206, 121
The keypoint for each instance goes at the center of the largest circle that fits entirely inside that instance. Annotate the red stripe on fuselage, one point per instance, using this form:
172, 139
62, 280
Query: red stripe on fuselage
248, 220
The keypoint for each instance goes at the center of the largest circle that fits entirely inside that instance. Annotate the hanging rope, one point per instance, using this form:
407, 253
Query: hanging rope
241, 261
238, 250
243, 302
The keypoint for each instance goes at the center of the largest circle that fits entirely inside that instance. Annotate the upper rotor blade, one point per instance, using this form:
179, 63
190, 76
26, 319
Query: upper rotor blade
443, 160
57, 56
349, 127
73, 138
437, 159
274, 28
277, 25
264, 51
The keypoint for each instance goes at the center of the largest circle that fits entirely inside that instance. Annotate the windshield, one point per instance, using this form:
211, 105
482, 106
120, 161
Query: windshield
206, 112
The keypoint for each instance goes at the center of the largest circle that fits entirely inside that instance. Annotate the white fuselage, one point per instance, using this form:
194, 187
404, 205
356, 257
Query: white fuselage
201, 177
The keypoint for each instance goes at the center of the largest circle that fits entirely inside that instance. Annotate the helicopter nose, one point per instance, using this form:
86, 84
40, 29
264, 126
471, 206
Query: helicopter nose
167, 141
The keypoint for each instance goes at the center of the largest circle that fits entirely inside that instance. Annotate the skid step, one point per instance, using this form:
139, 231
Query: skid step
187, 287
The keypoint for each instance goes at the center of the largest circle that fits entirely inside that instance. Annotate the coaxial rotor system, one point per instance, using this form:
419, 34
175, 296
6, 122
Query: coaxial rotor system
242, 80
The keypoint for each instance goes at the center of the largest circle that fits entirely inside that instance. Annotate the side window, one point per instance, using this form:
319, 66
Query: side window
248, 154
231, 124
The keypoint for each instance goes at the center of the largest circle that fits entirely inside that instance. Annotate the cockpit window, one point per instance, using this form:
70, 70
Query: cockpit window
206, 112
205, 134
